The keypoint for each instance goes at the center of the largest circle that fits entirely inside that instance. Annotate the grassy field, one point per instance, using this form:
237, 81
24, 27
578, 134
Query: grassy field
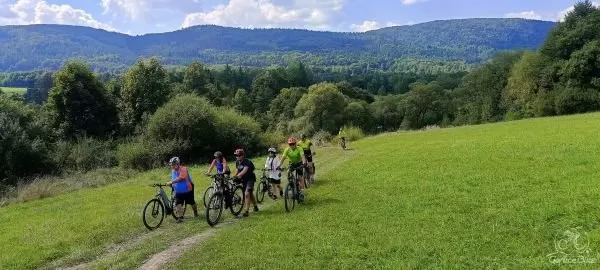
483, 197
15, 90
494, 196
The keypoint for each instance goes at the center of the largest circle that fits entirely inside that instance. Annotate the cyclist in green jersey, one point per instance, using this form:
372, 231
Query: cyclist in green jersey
297, 160
306, 145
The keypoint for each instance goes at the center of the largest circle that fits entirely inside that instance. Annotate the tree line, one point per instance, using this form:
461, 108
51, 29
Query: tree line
150, 112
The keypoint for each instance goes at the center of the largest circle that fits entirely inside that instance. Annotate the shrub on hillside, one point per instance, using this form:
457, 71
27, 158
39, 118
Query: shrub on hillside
275, 139
189, 119
235, 130
353, 133
85, 154
144, 154
321, 138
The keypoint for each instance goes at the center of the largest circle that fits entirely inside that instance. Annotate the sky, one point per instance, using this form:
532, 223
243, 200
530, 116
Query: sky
137, 17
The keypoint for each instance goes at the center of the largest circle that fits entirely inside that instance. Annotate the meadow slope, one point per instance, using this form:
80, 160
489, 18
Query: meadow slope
489, 196
480, 197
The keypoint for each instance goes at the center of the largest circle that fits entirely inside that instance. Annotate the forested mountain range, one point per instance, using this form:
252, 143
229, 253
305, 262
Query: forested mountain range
464, 41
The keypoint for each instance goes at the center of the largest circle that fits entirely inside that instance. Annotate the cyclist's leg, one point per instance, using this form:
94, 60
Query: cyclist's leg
301, 178
192, 201
179, 201
276, 184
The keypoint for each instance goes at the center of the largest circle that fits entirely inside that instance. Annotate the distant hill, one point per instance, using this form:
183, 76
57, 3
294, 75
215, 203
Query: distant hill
31, 47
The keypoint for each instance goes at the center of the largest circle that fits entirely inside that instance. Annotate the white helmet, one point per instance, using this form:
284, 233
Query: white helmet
272, 150
174, 160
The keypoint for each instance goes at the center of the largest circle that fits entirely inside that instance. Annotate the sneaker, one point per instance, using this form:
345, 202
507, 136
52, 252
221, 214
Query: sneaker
255, 208
245, 214
281, 193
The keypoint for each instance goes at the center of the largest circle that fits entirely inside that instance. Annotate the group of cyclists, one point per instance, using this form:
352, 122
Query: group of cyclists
299, 153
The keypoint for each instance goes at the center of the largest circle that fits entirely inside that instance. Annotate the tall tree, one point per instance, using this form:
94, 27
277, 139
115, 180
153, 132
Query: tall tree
195, 79
80, 105
145, 88
322, 108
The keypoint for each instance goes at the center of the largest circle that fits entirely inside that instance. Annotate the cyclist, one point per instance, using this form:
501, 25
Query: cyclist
306, 145
272, 164
221, 163
342, 135
244, 170
184, 188
296, 156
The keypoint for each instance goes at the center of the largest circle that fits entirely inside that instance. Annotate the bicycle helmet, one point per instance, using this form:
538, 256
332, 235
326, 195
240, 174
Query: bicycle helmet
303, 136
272, 150
239, 152
218, 154
174, 161
292, 140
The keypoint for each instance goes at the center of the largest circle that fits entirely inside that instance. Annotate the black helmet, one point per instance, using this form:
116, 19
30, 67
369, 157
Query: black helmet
218, 154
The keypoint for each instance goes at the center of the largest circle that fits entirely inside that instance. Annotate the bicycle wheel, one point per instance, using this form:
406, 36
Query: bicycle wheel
214, 209
290, 197
261, 190
157, 213
207, 194
174, 207
305, 177
237, 201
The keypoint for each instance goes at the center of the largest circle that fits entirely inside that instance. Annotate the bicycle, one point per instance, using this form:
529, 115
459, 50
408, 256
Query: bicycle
160, 203
343, 143
228, 195
210, 190
292, 190
264, 187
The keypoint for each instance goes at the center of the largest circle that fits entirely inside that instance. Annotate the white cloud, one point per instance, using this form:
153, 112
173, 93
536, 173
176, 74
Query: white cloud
410, 2
365, 26
40, 12
532, 15
562, 14
149, 9
312, 14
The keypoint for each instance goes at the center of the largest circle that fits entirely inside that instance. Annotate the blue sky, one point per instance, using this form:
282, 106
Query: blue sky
147, 16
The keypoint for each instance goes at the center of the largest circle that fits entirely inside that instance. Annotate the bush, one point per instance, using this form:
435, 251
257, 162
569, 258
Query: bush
147, 154
273, 139
235, 130
321, 138
186, 118
354, 133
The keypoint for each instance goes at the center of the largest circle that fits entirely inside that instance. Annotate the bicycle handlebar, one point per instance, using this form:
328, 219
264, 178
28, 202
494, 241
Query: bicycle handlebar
159, 185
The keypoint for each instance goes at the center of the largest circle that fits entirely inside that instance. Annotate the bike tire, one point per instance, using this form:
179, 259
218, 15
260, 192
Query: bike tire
237, 201
306, 177
173, 206
207, 194
290, 197
214, 203
260, 191
161, 211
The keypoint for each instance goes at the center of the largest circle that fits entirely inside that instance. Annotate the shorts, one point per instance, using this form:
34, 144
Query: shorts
249, 186
274, 181
308, 156
299, 168
188, 198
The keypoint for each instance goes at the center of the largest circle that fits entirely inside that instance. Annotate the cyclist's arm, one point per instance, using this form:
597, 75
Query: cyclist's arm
182, 176
242, 173
225, 166
284, 156
212, 165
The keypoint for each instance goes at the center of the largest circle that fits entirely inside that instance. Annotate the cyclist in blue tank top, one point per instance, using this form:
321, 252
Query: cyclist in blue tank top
220, 163
183, 186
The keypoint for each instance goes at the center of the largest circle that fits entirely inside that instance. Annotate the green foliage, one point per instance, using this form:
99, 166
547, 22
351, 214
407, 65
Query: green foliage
145, 154
196, 78
145, 88
23, 142
322, 108
79, 104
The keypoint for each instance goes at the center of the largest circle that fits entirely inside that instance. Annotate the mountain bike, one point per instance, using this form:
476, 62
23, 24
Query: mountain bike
228, 195
160, 206
343, 143
292, 189
210, 190
264, 187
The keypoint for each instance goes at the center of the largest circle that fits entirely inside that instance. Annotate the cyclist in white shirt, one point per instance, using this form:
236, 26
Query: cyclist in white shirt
273, 162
